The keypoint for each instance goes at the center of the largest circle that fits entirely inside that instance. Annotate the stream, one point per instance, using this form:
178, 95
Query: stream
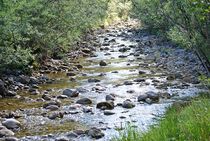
130, 63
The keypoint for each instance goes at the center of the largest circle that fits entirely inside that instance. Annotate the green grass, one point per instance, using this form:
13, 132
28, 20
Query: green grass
188, 122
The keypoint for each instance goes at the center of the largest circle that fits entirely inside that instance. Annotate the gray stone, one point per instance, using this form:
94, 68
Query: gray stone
62, 139
105, 105
93, 80
128, 104
70, 93
110, 97
52, 107
4, 132
11, 123
11, 139
95, 133
142, 97
102, 63
108, 112
84, 101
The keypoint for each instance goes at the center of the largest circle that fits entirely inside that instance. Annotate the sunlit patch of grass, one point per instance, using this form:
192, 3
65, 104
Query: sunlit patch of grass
189, 122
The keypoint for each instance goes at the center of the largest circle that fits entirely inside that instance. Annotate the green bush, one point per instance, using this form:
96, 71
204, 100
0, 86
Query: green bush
43, 28
185, 22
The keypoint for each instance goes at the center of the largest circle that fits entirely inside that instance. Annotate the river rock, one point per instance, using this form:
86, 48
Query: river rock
105, 105
110, 97
57, 103
70, 93
93, 80
4, 132
108, 112
128, 104
11, 123
62, 97
153, 96
52, 107
139, 80
102, 63
95, 133
56, 115
128, 83
84, 101
142, 72
71, 74
142, 97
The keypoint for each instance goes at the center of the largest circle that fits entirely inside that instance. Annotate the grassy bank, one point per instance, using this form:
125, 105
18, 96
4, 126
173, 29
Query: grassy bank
182, 122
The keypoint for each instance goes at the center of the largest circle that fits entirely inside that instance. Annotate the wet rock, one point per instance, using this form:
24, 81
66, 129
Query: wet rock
95, 133
79, 66
93, 80
71, 74
46, 97
153, 96
70, 93
52, 107
130, 91
84, 101
110, 97
82, 90
103, 63
62, 139
128, 83
105, 105
4, 132
108, 112
79, 132
55, 115
139, 80
62, 97
115, 72
128, 104
11, 123
122, 56
3, 90
142, 72
142, 97
52, 103
23, 79
123, 49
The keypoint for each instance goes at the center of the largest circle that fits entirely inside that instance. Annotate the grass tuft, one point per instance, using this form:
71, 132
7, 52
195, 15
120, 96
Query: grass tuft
182, 122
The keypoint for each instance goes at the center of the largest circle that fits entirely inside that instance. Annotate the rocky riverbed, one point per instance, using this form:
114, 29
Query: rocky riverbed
119, 76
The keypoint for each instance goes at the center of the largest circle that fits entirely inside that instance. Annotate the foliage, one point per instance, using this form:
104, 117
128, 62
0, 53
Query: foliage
43, 28
186, 22
189, 123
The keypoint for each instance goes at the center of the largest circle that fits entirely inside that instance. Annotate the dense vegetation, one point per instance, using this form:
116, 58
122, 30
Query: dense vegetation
36, 29
186, 22
189, 122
